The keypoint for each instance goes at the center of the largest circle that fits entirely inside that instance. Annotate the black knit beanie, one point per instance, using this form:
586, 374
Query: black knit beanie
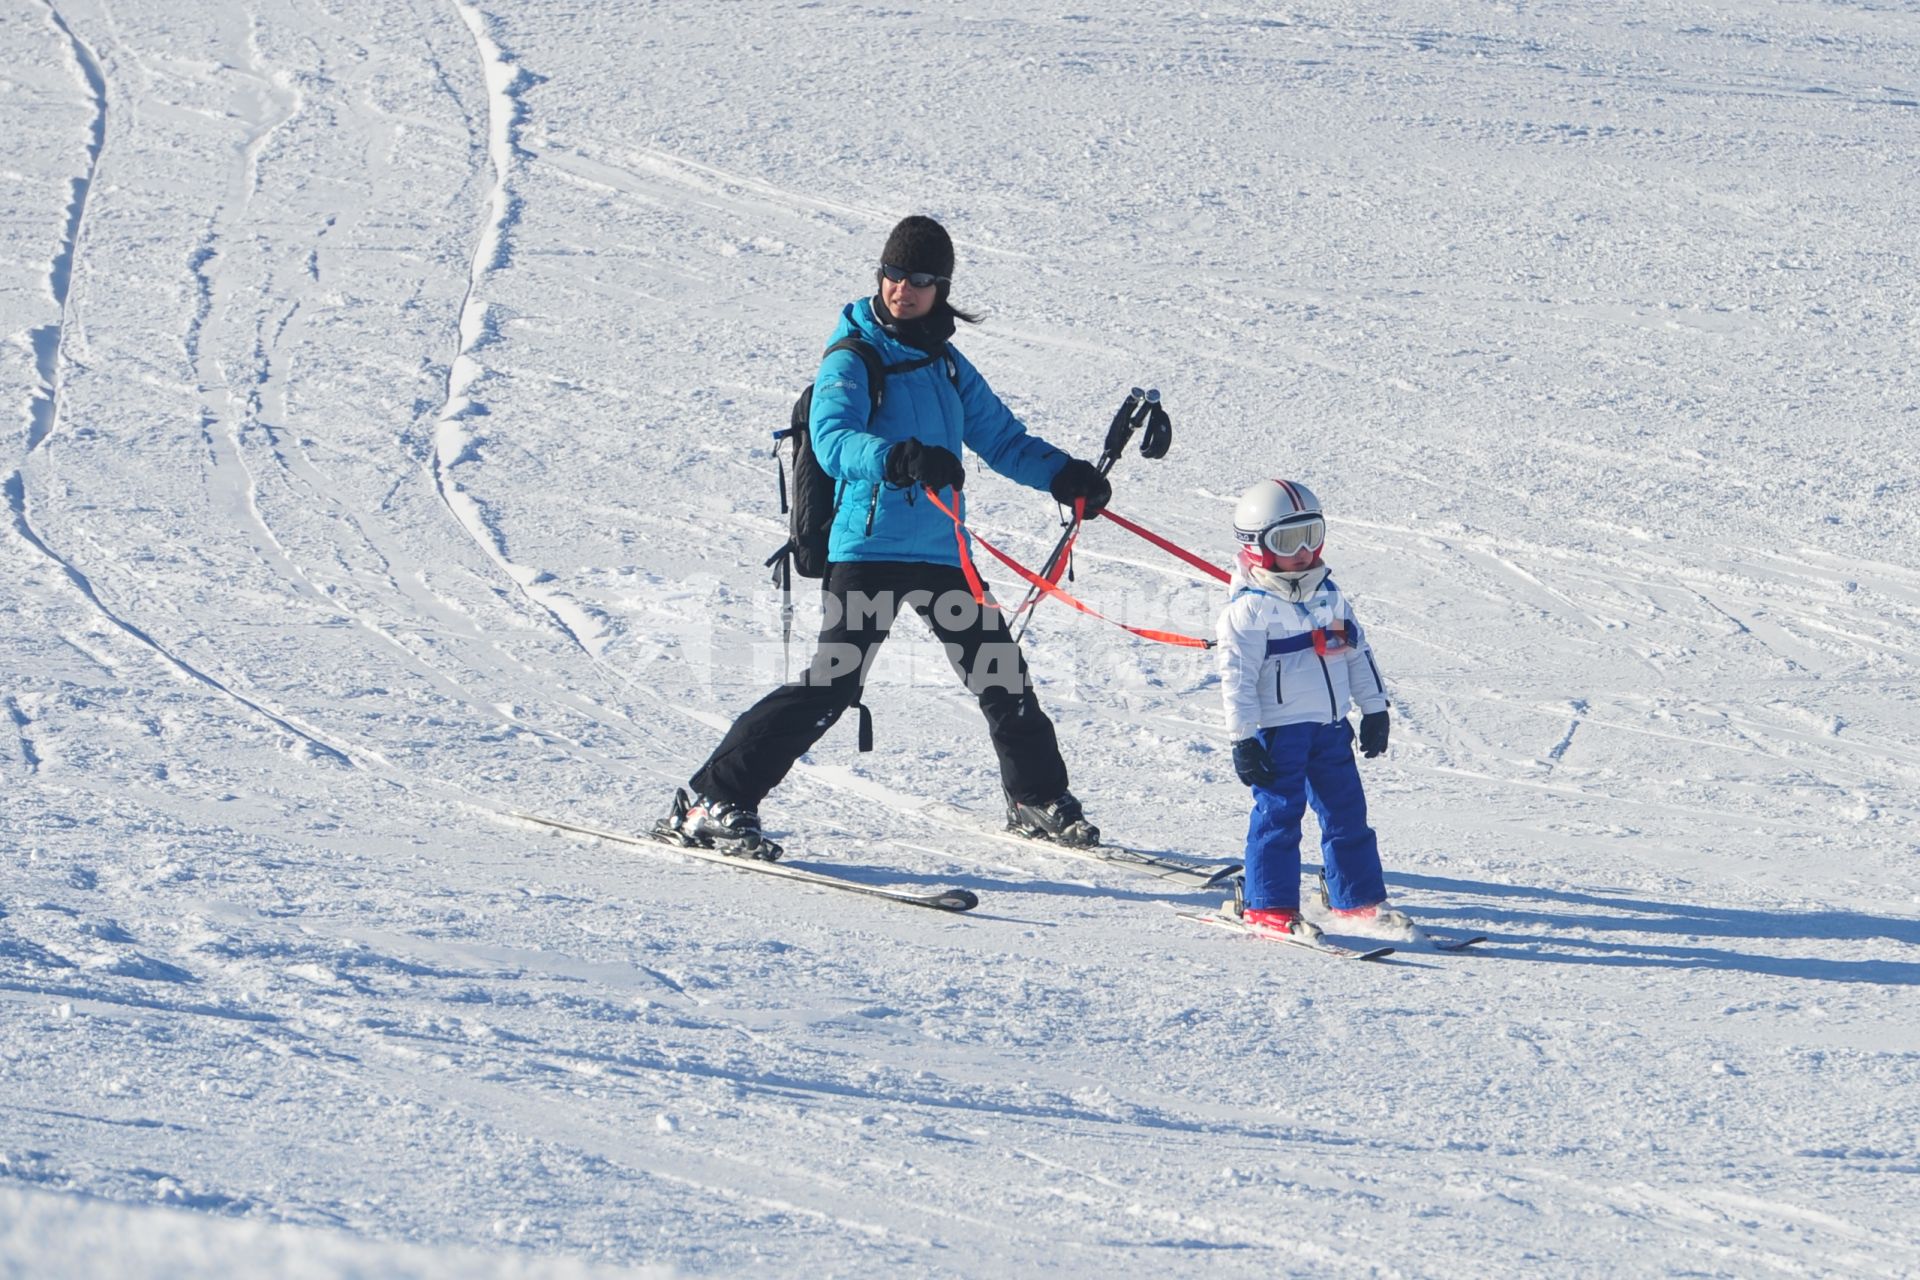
919, 244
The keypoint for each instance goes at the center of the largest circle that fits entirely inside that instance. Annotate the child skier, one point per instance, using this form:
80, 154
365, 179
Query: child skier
1291, 659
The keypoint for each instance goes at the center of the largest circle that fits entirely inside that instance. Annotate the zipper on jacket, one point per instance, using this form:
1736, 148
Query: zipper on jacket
873, 504
1333, 712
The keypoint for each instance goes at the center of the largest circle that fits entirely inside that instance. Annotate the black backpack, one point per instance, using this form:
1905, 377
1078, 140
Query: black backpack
810, 508
810, 511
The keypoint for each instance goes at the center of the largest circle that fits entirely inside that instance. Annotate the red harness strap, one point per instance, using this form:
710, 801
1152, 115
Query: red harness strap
1065, 558
1164, 545
960, 543
1034, 579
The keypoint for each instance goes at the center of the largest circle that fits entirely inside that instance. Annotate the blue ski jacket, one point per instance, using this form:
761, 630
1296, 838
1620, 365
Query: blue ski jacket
874, 520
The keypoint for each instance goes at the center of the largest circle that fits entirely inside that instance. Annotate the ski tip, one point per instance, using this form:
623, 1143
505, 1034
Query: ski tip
1223, 875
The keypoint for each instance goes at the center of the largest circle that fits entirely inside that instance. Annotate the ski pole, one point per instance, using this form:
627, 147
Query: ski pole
1126, 419
781, 561
1140, 408
1133, 412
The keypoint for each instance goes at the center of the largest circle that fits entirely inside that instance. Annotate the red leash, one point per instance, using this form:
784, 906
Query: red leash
1035, 580
1160, 542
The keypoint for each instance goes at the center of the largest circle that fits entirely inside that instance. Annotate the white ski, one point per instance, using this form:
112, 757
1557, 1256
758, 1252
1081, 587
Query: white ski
1222, 920
1162, 864
944, 900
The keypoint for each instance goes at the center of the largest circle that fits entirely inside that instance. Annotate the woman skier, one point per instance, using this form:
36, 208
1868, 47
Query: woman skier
891, 549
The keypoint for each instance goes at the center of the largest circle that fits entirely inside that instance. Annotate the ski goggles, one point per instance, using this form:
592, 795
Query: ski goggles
1290, 538
918, 279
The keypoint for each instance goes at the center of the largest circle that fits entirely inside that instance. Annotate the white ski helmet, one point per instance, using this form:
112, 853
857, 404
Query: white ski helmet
1278, 518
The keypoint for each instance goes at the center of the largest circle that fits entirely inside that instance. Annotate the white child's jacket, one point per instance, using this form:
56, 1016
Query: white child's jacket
1287, 661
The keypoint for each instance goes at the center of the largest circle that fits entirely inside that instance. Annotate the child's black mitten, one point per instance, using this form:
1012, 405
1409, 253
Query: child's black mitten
1373, 734
1253, 763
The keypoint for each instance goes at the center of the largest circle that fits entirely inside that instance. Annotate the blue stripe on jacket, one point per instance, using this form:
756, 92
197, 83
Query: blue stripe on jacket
1304, 640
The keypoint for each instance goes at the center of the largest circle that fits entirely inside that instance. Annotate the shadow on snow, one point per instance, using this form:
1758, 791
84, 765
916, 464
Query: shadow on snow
1580, 936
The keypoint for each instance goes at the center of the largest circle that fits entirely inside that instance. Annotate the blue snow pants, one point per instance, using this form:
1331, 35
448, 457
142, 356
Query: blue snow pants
1316, 766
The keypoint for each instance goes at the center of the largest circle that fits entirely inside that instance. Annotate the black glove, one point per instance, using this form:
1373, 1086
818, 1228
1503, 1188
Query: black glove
1254, 763
1080, 480
1373, 734
910, 463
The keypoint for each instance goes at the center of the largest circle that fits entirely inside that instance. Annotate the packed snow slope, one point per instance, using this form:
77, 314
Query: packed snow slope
390, 388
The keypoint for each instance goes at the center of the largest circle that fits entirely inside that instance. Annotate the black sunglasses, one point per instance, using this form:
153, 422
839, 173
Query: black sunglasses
918, 279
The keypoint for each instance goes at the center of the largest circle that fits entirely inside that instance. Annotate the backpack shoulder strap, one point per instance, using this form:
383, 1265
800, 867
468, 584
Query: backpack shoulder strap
944, 356
876, 370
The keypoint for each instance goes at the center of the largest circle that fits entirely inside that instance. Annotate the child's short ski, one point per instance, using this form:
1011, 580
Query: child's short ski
1420, 937
945, 900
1418, 940
1221, 919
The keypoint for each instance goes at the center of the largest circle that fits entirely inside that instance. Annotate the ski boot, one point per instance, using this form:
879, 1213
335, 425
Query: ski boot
720, 825
1282, 920
1059, 820
1376, 920
1286, 920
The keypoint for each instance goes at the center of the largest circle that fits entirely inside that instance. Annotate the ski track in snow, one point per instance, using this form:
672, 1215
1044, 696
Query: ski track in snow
49, 341
1658, 750
46, 410
16, 505
453, 437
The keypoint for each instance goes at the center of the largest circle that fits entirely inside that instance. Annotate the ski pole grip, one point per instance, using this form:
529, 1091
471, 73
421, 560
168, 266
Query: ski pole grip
1121, 428
1159, 434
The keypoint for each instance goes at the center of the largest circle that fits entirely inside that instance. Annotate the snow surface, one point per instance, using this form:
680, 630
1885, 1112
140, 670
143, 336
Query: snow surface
390, 389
